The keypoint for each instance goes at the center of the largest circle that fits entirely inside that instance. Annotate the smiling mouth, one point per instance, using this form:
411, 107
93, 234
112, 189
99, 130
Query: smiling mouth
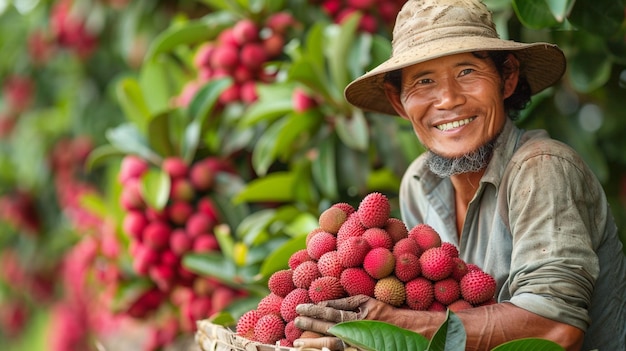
451, 125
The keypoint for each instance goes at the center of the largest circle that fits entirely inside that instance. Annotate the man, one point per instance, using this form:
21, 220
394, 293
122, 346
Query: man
522, 206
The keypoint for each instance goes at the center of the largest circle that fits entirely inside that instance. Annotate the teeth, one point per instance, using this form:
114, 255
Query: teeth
455, 124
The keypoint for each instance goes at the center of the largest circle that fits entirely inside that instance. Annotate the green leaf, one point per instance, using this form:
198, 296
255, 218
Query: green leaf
100, 155
324, 168
601, 17
589, 70
450, 336
535, 14
159, 135
191, 32
156, 80
266, 147
340, 40
155, 188
525, 344
211, 265
132, 102
275, 187
206, 97
255, 224
376, 336
274, 102
127, 138
225, 239
279, 258
353, 131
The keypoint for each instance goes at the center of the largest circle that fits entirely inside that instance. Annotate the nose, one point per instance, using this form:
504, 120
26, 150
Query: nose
449, 94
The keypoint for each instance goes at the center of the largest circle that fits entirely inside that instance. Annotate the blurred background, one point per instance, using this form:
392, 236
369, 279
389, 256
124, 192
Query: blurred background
160, 159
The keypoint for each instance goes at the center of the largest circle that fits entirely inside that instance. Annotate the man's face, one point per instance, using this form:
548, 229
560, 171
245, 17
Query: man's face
455, 103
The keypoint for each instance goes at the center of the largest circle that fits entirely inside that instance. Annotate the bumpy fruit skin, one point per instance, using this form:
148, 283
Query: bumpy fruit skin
436, 264
447, 291
269, 329
345, 207
379, 262
351, 227
459, 305
450, 249
297, 258
460, 268
281, 282
419, 294
407, 267
320, 244
331, 219
329, 264
477, 287
246, 323
305, 274
374, 210
425, 236
357, 281
390, 290
378, 237
352, 251
270, 304
407, 245
396, 229
293, 299
326, 288
292, 332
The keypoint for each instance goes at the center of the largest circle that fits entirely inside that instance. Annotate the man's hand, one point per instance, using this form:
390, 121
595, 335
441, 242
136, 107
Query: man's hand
320, 317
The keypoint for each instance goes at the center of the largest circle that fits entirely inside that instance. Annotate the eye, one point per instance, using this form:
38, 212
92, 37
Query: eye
424, 81
466, 71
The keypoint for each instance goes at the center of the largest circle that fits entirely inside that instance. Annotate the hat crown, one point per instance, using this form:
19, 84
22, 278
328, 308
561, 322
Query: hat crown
421, 21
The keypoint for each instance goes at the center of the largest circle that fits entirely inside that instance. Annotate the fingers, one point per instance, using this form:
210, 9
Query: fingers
328, 342
326, 313
312, 324
347, 303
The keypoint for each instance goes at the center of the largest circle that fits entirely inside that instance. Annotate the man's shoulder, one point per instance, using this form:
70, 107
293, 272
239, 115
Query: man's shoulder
539, 143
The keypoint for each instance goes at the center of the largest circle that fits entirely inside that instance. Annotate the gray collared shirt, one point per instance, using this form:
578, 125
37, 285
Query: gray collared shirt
541, 225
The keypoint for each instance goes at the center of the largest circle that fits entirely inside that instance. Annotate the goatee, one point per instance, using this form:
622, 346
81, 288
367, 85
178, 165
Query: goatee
472, 162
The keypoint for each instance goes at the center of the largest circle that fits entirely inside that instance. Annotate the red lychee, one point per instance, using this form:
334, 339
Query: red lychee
182, 190
352, 251
374, 210
132, 167
198, 223
281, 282
320, 244
459, 269
447, 291
298, 257
331, 219
245, 31
345, 207
326, 288
356, 281
425, 236
477, 287
205, 243
134, 224
419, 294
450, 249
379, 262
293, 299
175, 167
292, 332
351, 227
302, 101
378, 237
329, 264
270, 304
269, 329
253, 55
179, 212
225, 57
157, 235
202, 175
436, 264
180, 242
407, 245
305, 273
459, 305
407, 267
396, 229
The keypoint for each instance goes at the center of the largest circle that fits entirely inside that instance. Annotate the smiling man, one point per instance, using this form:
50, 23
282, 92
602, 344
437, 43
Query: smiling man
520, 205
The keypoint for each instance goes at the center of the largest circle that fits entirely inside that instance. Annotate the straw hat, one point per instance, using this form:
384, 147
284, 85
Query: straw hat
428, 29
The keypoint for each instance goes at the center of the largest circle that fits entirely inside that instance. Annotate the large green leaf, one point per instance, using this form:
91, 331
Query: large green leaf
601, 17
535, 14
324, 168
279, 258
589, 70
127, 138
277, 186
274, 102
131, 100
376, 336
206, 98
353, 130
159, 137
155, 188
534, 344
160, 80
340, 40
266, 147
100, 155
450, 336
191, 32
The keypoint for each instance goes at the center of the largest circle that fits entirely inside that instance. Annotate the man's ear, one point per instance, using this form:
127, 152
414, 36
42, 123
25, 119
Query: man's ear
393, 96
511, 75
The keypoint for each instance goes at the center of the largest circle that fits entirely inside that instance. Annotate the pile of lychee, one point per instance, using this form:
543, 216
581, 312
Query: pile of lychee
365, 251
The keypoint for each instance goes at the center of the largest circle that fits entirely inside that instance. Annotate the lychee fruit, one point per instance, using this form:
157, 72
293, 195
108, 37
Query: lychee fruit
329, 264
407, 267
436, 264
132, 167
450, 248
459, 305
292, 332
305, 273
396, 229
134, 224
270, 304
298, 257
379, 262
390, 290
407, 245
175, 167
351, 227
425, 236
281, 282
357, 281
246, 323
320, 244
157, 235
374, 210
459, 269
269, 329
294, 298
419, 294
437, 306
352, 251
331, 219
477, 287
326, 288
245, 31
180, 242
345, 207
378, 237
447, 291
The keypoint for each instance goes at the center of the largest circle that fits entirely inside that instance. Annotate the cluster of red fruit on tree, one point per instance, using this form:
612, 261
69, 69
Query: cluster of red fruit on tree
240, 52
365, 251
374, 14
160, 237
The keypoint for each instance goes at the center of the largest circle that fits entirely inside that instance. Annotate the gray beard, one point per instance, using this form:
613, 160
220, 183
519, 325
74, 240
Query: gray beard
472, 162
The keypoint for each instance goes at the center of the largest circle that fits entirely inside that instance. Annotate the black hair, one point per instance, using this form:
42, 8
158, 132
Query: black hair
513, 104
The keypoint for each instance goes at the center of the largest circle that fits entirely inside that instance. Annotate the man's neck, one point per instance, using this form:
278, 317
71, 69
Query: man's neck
465, 186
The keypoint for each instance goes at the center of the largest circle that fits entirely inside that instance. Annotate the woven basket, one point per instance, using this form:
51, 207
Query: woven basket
213, 337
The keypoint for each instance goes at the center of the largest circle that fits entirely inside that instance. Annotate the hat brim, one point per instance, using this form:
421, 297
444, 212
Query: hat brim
542, 64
